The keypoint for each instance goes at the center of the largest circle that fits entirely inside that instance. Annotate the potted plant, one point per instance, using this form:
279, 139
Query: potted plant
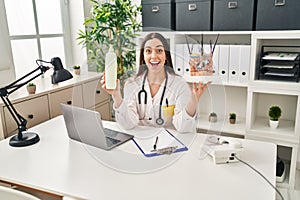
212, 117
76, 69
274, 114
111, 23
232, 118
31, 88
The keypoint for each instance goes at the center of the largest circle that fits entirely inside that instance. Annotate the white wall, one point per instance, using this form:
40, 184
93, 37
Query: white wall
7, 72
76, 24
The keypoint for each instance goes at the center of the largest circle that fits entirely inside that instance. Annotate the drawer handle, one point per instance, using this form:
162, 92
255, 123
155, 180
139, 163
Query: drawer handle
69, 102
155, 9
98, 91
232, 4
192, 7
30, 116
279, 2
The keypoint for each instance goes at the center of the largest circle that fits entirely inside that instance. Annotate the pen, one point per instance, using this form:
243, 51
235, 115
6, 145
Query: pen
202, 44
215, 44
155, 144
187, 42
167, 102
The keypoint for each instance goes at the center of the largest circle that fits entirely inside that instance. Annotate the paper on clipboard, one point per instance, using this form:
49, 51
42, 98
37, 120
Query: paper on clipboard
165, 140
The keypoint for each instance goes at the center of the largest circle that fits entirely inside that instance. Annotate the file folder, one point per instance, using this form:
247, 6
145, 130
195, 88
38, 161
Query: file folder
223, 62
216, 61
179, 69
244, 63
165, 140
234, 62
186, 58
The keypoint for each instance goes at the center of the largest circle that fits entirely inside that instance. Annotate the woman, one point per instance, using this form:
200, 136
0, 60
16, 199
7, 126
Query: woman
156, 96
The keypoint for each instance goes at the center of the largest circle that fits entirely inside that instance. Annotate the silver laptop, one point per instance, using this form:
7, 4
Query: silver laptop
86, 126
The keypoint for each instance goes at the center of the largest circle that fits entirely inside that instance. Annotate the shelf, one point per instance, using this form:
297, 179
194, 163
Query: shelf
285, 130
222, 125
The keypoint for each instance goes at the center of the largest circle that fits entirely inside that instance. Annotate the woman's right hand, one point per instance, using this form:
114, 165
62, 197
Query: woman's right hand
110, 91
115, 93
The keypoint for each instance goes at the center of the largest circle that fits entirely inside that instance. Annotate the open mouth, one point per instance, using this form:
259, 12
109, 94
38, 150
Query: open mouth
154, 63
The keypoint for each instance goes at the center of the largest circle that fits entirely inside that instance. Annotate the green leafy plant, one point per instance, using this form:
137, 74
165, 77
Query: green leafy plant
76, 67
111, 23
30, 84
274, 113
232, 116
213, 114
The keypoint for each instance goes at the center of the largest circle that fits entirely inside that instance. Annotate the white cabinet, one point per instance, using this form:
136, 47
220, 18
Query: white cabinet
248, 97
70, 96
95, 98
104, 110
82, 91
35, 111
93, 93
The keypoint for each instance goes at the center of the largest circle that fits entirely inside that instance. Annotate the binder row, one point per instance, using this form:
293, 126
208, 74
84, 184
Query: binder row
230, 62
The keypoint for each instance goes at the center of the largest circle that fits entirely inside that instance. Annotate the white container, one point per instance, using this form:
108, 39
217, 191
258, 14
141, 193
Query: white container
110, 69
273, 124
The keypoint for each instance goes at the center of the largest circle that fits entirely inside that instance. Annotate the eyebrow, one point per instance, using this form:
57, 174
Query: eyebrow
155, 47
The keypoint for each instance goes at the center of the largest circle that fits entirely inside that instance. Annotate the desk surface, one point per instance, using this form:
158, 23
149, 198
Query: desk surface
61, 166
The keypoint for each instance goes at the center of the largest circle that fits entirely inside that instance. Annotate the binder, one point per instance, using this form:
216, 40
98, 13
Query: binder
216, 61
223, 62
165, 140
234, 62
186, 58
179, 69
244, 63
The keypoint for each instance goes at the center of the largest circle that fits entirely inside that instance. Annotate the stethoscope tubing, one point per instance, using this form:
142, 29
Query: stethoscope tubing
159, 120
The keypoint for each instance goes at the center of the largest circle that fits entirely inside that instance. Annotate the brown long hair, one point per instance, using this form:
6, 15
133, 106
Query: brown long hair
168, 63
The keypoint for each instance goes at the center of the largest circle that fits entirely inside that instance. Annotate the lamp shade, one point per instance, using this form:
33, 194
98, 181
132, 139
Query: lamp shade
60, 74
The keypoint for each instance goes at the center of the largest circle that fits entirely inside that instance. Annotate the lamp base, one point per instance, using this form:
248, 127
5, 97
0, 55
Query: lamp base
29, 138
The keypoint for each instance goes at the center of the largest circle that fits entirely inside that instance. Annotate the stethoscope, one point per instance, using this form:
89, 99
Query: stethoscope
159, 120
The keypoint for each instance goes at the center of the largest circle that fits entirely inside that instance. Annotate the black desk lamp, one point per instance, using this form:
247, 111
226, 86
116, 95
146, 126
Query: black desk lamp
25, 138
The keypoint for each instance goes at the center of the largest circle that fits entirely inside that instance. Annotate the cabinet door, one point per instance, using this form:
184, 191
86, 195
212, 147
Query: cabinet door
35, 111
71, 96
104, 110
93, 94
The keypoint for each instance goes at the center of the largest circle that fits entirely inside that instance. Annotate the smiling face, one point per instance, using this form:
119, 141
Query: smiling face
154, 55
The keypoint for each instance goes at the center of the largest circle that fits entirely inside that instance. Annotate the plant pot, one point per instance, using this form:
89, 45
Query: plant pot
232, 121
273, 124
77, 71
212, 118
31, 89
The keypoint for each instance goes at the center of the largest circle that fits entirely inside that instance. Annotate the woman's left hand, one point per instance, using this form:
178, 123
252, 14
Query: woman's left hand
198, 89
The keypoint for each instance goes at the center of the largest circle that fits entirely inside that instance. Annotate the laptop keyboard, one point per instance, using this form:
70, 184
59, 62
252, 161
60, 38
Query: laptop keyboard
110, 132
111, 141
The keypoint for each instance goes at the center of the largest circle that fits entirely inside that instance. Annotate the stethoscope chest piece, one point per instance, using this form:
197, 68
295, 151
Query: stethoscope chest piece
159, 121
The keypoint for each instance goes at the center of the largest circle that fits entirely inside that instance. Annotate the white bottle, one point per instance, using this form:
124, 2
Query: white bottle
110, 69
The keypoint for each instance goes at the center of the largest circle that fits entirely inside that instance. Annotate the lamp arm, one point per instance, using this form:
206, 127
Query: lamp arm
4, 93
15, 84
20, 121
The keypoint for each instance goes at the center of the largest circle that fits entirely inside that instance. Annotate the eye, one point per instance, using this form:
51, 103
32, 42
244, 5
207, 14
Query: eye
147, 51
160, 50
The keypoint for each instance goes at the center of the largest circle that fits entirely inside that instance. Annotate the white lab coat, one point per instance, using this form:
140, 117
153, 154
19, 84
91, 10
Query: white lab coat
131, 114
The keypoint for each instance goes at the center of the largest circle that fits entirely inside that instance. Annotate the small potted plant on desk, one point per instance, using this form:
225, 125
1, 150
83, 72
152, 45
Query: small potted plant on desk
31, 88
232, 118
274, 114
76, 69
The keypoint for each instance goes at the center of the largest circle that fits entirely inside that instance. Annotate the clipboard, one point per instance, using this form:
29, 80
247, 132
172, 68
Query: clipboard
165, 140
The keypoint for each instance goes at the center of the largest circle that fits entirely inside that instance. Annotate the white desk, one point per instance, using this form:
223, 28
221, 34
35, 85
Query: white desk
68, 168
